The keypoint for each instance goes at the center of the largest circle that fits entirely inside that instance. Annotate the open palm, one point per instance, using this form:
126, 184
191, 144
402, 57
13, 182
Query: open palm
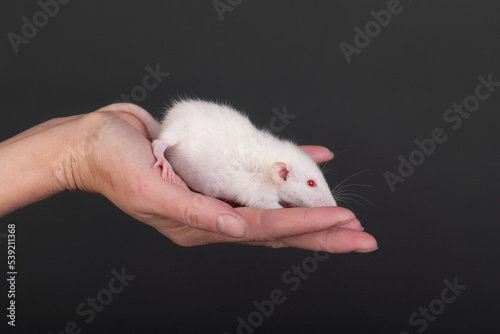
118, 164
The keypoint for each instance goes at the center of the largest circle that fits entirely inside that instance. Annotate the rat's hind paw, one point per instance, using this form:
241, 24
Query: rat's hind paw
167, 173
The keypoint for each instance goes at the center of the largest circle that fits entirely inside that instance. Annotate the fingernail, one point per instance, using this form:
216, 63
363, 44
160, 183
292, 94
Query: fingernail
231, 226
345, 222
362, 228
366, 250
332, 155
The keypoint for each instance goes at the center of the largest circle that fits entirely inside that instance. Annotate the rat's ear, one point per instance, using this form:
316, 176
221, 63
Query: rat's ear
279, 172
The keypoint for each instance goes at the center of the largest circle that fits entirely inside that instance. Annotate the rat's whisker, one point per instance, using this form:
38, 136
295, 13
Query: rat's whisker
346, 201
360, 185
345, 195
324, 166
337, 189
326, 171
350, 177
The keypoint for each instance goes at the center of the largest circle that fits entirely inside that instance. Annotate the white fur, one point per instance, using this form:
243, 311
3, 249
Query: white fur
217, 151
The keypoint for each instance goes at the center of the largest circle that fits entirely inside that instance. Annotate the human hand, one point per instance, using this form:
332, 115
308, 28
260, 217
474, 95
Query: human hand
115, 159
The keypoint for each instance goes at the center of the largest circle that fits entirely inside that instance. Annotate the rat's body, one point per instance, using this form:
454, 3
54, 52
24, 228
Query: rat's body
218, 152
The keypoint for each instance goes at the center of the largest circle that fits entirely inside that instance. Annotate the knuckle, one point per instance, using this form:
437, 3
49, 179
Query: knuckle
197, 210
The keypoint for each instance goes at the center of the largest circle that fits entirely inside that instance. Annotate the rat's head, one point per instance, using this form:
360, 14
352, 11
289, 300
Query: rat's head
301, 183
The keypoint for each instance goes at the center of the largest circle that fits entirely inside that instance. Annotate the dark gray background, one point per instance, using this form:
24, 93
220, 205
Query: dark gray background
441, 223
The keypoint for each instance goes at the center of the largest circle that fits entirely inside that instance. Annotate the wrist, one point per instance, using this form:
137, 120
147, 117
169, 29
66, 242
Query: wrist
78, 165
31, 165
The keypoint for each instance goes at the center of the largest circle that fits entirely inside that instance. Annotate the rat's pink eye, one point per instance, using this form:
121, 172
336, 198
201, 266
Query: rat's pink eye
311, 183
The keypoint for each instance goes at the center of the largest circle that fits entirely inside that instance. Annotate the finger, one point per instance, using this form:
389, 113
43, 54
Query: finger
354, 225
279, 223
200, 212
333, 240
260, 225
317, 153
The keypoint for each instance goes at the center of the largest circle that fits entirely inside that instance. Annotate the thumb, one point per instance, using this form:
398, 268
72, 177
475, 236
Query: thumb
205, 213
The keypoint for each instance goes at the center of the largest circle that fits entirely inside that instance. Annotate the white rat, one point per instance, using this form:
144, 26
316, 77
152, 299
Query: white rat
218, 152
